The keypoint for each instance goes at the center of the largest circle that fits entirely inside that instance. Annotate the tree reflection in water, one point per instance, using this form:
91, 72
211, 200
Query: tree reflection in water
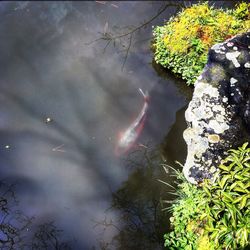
48, 236
16, 228
14, 224
142, 222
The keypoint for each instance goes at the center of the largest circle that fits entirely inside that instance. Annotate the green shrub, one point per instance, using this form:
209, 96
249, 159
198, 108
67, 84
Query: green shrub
183, 42
216, 214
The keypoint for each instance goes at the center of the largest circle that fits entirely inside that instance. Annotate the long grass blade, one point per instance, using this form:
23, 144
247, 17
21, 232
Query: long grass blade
166, 184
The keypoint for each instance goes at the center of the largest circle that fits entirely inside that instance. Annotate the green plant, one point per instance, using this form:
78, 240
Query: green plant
215, 215
242, 11
230, 200
182, 44
185, 211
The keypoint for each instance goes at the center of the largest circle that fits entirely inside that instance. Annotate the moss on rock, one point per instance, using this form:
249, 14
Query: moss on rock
183, 42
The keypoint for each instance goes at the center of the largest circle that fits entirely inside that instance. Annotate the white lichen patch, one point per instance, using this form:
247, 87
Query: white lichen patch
218, 49
197, 145
220, 118
200, 109
218, 127
225, 99
218, 109
203, 88
203, 113
247, 65
233, 80
216, 46
232, 56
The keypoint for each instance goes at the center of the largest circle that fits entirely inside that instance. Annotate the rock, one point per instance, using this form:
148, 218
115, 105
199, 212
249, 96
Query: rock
218, 115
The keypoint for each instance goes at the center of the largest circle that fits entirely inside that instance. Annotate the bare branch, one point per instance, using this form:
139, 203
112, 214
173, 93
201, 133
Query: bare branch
109, 37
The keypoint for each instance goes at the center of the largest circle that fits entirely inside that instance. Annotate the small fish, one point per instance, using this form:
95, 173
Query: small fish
129, 137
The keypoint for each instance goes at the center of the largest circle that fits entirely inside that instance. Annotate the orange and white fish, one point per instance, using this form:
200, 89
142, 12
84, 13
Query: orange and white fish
129, 137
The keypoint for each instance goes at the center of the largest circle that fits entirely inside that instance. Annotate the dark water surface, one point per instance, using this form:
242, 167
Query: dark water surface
63, 101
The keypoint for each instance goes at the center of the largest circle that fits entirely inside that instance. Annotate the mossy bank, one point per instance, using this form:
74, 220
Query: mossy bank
182, 43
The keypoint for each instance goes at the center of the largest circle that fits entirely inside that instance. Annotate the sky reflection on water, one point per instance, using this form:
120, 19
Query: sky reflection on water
66, 170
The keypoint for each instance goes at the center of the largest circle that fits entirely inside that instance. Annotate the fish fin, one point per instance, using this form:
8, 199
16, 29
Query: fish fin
143, 94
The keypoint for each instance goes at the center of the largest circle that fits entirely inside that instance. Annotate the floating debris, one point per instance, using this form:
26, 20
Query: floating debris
48, 120
105, 29
143, 146
114, 5
101, 2
58, 148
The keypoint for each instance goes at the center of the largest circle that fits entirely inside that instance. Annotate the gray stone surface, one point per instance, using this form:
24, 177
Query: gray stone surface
218, 115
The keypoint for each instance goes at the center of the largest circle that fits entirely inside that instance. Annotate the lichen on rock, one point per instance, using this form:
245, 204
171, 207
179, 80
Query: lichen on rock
218, 115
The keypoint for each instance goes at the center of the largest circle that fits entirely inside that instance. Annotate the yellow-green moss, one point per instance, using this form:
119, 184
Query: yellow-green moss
183, 42
203, 243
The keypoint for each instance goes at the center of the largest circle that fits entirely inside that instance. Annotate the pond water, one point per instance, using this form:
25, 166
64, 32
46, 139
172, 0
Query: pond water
64, 98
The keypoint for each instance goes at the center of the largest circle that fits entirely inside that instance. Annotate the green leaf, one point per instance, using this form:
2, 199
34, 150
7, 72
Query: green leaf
233, 186
203, 216
245, 235
247, 164
232, 211
242, 190
237, 200
228, 196
208, 192
246, 159
241, 184
224, 180
244, 146
243, 201
214, 234
221, 166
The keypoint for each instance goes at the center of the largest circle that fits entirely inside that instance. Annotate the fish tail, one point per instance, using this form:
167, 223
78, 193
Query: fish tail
145, 95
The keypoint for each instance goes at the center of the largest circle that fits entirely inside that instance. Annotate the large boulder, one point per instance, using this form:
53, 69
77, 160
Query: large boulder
218, 115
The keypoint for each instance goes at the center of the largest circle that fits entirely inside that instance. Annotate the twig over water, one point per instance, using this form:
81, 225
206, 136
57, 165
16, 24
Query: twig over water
109, 37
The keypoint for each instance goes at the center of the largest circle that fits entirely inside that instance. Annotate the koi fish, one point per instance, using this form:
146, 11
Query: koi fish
129, 137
